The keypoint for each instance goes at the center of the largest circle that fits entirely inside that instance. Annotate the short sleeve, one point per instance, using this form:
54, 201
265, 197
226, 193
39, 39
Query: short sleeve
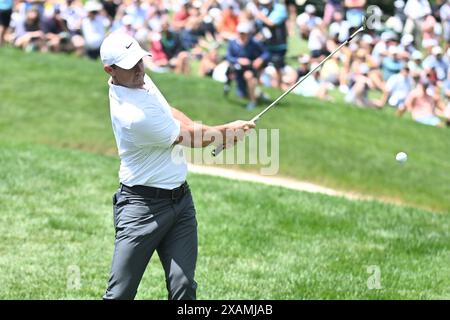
155, 128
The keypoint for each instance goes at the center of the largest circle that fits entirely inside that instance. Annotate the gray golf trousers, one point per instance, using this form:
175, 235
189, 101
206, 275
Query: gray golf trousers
145, 224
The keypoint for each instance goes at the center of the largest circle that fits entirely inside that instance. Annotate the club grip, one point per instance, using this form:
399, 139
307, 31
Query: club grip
217, 150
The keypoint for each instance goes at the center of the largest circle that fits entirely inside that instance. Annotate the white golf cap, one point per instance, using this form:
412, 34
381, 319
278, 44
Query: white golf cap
393, 50
264, 2
310, 8
417, 55
304, 59
121, 50
367, 38
127, 20
436, 51
93, 6
407, 39
388, 35
244, 27
399, 4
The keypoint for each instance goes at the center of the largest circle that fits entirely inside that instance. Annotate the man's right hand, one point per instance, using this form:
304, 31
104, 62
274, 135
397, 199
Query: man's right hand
236, 130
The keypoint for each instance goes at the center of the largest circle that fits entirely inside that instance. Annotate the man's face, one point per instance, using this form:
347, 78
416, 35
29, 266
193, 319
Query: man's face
133, 78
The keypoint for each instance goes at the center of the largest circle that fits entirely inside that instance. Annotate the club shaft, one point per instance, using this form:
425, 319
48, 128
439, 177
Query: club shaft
256, 118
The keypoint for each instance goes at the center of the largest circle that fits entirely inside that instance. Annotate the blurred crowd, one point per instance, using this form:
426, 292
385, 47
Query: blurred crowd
403, 60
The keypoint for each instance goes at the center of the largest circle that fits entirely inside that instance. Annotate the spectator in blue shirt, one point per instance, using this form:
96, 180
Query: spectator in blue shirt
392, 64
247, 57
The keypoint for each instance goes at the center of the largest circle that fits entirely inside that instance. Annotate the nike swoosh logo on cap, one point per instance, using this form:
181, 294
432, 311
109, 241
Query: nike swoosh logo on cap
129, 45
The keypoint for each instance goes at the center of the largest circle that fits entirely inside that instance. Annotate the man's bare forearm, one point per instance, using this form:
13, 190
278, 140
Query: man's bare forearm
180, 116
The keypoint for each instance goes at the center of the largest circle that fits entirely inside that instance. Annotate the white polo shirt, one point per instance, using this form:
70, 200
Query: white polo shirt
145, 131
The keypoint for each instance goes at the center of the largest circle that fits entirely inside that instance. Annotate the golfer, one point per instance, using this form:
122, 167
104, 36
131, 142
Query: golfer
153, 207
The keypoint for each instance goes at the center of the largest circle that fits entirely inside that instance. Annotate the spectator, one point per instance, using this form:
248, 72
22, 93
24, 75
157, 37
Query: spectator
308, 21
247, 57
339, 29
209, 62
5, 18
168, 51
93, 28
355, 12
317, 42
313, 86
273, 23
56, 32
73, 13
421, 105
392, 64
444, 13
416, 11
398, 87
359, 91
29, 35
180, 16
331, 7
415, 64
437, 63
228, 23
111, 7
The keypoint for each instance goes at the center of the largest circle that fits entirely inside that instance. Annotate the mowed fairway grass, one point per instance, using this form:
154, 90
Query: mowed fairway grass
255, 242
58, 173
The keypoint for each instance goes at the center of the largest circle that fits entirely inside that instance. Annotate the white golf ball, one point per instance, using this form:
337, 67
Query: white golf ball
401, 157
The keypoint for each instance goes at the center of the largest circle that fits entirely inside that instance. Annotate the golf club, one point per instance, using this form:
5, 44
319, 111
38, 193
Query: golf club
219, 148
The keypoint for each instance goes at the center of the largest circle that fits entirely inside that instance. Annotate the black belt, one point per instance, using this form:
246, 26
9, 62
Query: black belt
152, 192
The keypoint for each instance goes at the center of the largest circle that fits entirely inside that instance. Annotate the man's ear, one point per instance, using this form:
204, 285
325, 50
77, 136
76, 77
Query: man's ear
108, 69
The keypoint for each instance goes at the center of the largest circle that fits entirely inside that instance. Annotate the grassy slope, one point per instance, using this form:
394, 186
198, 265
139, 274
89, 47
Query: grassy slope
331, 144
257, 243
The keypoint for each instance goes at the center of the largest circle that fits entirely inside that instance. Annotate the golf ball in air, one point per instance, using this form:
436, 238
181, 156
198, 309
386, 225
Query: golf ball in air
401, 157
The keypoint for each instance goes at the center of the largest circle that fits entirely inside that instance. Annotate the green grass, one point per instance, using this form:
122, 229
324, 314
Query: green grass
62, 101
257, 242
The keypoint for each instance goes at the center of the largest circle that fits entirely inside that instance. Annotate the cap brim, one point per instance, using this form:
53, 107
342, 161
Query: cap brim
132, 59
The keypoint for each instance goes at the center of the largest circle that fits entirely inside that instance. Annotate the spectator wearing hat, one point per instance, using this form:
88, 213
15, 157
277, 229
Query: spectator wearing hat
339, 28
307, 21
94, 28
407, 43
247, 58
436, 63
392, 64
415, 63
